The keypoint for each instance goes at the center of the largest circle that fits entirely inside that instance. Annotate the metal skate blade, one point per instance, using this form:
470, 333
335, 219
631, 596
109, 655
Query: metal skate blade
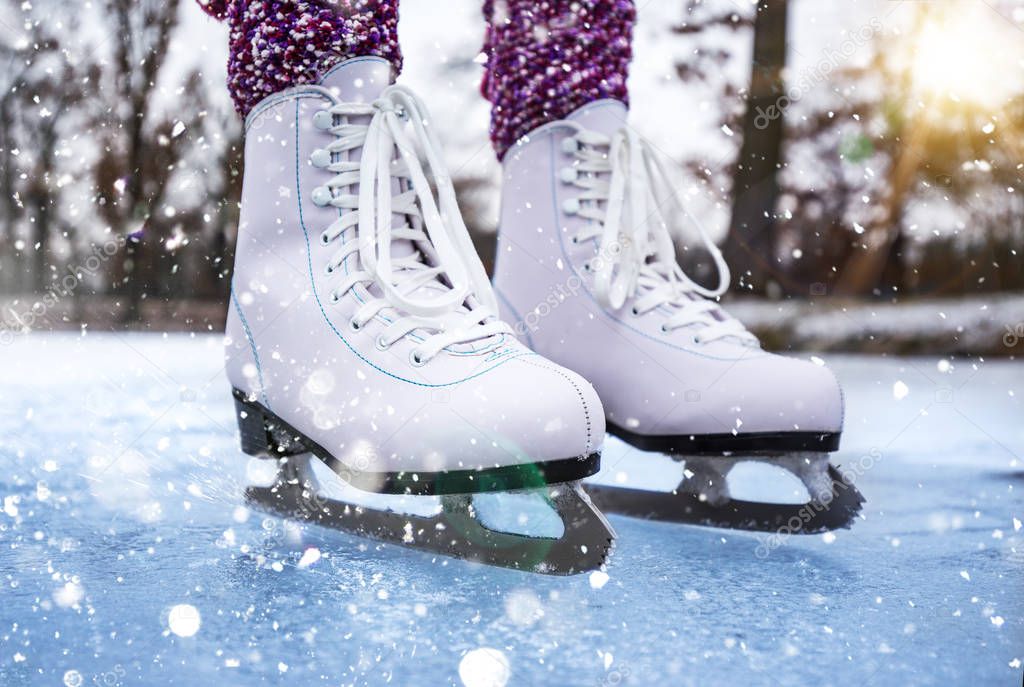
702, 495
452, 526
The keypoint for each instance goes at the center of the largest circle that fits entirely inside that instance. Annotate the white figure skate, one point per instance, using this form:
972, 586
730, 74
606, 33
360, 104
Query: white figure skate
363, 331
586, 269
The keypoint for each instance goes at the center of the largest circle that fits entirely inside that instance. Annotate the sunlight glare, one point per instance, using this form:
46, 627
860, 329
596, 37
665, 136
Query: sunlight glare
954, 56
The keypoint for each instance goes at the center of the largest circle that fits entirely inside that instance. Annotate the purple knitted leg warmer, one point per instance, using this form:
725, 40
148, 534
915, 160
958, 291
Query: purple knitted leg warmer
545, 58
275, 44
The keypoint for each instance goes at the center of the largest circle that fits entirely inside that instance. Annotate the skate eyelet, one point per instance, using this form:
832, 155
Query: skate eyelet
323, 120
636, 313
665, 330
354, 325
697, 340
586, 267
329, 269
320, 158
416, 359
381, 343
324, 239
334, 297
321, 196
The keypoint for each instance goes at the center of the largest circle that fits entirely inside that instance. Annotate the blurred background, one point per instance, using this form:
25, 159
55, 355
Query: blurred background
861, 162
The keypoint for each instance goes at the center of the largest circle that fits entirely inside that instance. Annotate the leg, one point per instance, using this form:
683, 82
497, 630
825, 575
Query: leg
545, 60
275, 44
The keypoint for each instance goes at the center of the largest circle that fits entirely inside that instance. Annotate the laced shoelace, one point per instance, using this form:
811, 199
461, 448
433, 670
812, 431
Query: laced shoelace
624, 190
440, 290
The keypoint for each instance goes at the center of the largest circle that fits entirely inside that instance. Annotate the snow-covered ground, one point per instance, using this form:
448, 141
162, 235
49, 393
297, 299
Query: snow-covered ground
989, 324
127, 556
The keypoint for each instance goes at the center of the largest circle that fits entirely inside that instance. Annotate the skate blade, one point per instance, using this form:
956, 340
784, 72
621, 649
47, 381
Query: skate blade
837, 505
455, 530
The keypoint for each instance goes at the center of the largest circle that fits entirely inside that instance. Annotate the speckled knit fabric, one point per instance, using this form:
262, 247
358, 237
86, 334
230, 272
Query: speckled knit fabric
545, 58
280, 43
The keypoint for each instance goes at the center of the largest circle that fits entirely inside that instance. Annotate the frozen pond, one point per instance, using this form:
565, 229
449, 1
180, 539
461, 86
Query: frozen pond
127, 557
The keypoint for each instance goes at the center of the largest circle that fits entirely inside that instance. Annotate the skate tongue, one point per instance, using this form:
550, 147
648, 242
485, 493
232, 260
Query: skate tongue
603, 116
362, 80
358, 80
608, 117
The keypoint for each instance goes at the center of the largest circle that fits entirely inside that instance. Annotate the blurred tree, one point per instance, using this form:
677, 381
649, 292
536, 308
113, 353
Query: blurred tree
46, 102
95, 127
11, 204
9, 97
222, 177
841, 170
138, 150
913, 192
705, 64
755, 190
44, 85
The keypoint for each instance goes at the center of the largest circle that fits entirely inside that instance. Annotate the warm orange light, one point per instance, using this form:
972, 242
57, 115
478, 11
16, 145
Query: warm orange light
970, 54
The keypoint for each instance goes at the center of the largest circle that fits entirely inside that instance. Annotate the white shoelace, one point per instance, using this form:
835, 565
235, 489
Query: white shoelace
440, 288
625, 189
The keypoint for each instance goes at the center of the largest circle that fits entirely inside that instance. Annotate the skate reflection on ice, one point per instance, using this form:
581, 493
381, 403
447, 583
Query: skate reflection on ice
518, 513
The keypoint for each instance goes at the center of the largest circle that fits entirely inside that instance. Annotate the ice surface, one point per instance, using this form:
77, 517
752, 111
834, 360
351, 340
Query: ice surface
122, 531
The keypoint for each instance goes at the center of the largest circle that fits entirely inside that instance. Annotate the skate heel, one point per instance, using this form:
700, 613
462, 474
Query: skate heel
260, 433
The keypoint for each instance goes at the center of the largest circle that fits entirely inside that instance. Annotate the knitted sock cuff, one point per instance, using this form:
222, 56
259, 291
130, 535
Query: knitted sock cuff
545, 58
275, 44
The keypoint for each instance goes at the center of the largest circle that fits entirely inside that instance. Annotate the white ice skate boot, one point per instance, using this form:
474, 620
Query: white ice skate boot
363, 330
586, 269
